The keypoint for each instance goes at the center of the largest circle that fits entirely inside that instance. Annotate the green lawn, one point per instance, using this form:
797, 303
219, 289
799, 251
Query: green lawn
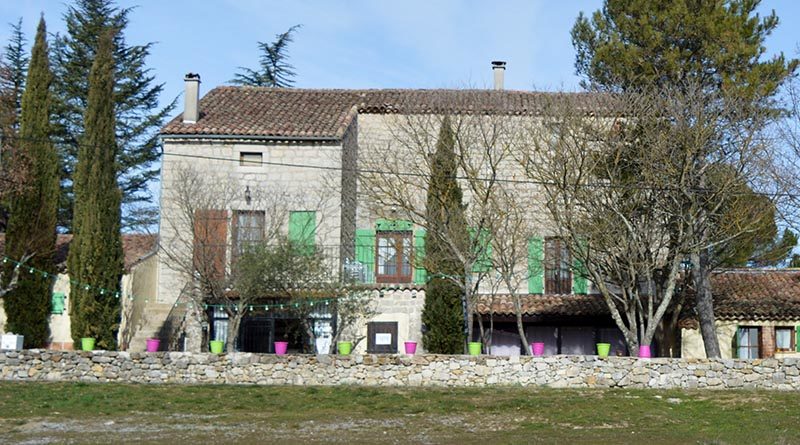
113, 413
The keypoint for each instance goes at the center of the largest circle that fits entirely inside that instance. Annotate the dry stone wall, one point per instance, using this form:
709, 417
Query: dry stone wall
399, 370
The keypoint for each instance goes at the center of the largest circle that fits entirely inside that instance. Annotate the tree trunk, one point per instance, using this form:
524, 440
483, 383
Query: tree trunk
705, 303
234, 320
520, 329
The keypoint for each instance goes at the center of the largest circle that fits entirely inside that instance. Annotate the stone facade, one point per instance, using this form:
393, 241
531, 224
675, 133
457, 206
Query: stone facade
399, 370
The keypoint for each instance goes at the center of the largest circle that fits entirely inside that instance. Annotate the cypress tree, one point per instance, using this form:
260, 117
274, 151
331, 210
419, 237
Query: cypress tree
443, 312
95, 254
32, 222
136, 95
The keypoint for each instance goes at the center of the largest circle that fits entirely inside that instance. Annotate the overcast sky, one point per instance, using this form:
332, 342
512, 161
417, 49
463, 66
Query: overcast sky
365, 44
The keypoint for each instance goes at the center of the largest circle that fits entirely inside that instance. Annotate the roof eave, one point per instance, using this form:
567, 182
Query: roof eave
195, 136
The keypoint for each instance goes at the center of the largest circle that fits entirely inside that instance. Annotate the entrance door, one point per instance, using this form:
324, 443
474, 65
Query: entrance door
382, 337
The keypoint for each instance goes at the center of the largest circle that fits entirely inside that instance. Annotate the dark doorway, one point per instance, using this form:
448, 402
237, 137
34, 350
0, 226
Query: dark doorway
255, 335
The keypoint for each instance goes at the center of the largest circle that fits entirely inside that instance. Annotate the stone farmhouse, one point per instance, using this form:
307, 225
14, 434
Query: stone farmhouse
252, 146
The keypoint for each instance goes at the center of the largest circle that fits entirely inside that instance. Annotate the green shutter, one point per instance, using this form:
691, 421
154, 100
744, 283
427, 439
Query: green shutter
483, 247
797, 338
580, 282
365, 253
420, 274
536, 266
393, 225
303, 229
57, 303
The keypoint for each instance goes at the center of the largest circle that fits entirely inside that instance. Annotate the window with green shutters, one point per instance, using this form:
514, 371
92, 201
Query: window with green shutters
420, 274
303, 229
365, 254
57, 303
483, 250
536, 265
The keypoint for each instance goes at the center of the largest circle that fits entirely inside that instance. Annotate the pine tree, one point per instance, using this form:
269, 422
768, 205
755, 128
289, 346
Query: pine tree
32, 222
707, 44
443, 314
138, 117
274, 70
95, 254
13, 70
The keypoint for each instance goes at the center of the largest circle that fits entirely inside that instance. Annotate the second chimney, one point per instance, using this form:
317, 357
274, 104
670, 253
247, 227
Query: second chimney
499, 68
191, 109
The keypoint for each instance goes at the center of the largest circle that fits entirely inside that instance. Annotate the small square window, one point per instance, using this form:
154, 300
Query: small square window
250, 159
784, 339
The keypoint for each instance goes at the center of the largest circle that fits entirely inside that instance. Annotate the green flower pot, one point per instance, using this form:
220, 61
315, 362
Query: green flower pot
603, 349
87, 344
474, 348
344, 347
216, 346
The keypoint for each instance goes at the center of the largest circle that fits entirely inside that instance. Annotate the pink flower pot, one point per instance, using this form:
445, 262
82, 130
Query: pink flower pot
537, 348
411, 347
152, 344
281, 347
644, 351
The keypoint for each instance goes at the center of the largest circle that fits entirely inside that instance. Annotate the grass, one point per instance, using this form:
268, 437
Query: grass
116, 413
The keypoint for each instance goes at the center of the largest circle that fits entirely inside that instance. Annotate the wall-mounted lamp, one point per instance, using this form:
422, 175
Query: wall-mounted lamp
247, 197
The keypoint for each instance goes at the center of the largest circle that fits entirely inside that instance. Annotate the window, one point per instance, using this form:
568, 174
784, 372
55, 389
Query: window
248, 229
748, 342
557, 271
784, 339
394, 257
250, 159
219, 324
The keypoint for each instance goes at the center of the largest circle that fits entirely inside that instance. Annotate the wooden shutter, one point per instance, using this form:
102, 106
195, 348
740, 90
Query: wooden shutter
420, 274
483, 246
57, 303
365, 252
303, 229
580, 280
536, 265
210, 238
797, 338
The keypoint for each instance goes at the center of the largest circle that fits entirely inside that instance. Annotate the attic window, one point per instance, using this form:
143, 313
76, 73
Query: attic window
250, 159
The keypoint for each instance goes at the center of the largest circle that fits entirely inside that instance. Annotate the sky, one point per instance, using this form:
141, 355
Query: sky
364, 43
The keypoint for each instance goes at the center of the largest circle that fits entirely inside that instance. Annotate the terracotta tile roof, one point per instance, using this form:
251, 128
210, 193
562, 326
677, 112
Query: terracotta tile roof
298, 113
135, 246
568, 305
739, 294
751, 294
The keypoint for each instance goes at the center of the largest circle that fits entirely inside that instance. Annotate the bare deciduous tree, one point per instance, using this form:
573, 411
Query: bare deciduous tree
195, 241
638, 182
396, 170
